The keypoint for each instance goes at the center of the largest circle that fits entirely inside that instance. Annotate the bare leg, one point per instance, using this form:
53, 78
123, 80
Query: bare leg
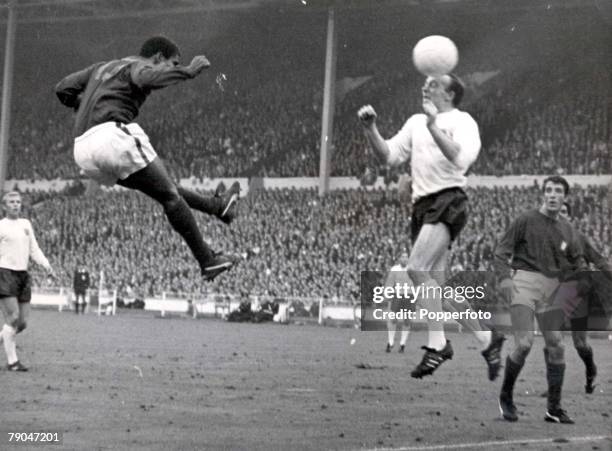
430, 246
24, 314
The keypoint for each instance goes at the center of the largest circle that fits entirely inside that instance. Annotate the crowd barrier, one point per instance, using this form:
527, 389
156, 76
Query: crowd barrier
105, 301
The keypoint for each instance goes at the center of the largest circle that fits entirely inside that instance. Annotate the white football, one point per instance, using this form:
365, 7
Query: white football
435, 55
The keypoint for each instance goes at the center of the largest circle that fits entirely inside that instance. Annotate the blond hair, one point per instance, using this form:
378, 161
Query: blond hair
10, 194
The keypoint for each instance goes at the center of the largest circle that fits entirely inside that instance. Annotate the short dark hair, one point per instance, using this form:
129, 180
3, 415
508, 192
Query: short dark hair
557, 179
159, 44
569, 208
457, 87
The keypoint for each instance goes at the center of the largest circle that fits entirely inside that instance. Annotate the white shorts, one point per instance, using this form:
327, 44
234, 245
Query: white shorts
113, 151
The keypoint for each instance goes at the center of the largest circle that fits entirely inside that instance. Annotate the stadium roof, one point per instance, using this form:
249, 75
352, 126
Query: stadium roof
47, 11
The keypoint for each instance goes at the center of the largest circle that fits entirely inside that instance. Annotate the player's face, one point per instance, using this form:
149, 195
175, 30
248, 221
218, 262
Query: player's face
564, 213
554, 195
435, 90
403, 260
12, 205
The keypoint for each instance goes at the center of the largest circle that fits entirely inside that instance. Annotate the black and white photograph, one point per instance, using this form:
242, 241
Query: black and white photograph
376, 225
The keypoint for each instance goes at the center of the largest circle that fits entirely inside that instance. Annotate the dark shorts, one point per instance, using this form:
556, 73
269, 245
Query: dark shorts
448, 206
15, 284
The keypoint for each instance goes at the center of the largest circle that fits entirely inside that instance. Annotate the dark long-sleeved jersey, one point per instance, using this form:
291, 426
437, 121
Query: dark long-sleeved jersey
114, 90
538, 243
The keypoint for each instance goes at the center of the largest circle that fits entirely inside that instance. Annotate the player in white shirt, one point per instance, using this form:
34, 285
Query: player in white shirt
17, 245
398, 274
442, 143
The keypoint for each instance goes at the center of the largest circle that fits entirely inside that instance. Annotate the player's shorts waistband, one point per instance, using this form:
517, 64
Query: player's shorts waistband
457, 189
102, 126
17, 271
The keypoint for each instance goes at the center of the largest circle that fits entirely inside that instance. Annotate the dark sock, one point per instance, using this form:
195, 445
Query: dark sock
554, 375
586, 354
76, 308
184, 223
511, 373
208, 205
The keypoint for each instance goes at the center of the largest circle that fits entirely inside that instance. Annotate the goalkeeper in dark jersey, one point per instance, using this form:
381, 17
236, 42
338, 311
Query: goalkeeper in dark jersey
111, 149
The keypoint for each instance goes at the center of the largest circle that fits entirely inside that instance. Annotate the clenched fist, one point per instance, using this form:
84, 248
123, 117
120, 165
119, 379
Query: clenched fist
198, 64
367, 115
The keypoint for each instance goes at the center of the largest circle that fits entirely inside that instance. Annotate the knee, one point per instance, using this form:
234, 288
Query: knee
13, 322
522, 349
169, 197
555, 352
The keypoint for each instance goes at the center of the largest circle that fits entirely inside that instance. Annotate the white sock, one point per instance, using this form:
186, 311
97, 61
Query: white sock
404, 337
391, 335
483, 337
8, 332
437, 340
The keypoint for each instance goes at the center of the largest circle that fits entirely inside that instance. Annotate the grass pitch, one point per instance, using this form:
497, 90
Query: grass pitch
138, 382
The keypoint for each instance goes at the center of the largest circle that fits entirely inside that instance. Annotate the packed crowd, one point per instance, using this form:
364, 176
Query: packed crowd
266, 120
569, 135
295, 243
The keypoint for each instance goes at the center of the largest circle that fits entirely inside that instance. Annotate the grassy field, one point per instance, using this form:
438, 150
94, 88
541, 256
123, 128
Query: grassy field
138, 382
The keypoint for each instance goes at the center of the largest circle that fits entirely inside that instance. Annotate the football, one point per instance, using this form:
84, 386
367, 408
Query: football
435, 55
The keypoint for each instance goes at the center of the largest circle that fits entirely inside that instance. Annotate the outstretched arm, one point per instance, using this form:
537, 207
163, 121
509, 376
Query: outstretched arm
156, 76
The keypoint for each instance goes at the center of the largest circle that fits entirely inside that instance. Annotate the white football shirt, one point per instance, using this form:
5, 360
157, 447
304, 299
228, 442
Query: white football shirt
18, 244
431, 170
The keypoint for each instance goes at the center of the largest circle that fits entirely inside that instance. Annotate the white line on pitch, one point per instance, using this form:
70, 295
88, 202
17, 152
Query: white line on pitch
559, 440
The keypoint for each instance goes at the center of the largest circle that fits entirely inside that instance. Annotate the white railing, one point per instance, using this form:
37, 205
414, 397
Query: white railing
62, 297
209, 304
51, 296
